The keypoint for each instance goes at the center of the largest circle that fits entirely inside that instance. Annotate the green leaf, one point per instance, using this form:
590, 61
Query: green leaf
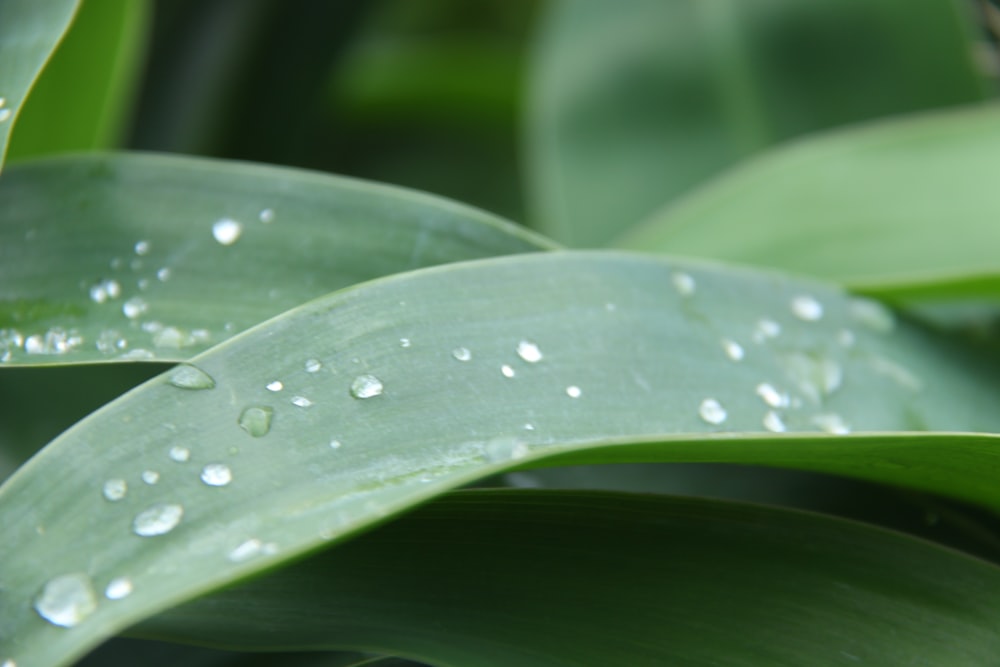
361, 404
535, 578
29, 33
130, 257
904, 209
81, 100
630, 109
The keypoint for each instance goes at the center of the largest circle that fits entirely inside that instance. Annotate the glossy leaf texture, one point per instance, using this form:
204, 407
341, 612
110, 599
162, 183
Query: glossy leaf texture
359, 405
29, 33
145, 257
904, 209
632, 105
82, 99
575, 578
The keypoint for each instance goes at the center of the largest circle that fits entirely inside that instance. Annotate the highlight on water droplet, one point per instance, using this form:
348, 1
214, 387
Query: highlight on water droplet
275, 385
773, 422
115, 489
135, 307
462, 353
732, 349
118, 588
712, 412
5, 115
216, 474
179, 454
529, 351
104, 290
256, 420
186, 376
143, 247
573, 391
150, 477
772, 396
266, 215
163, 275
405, 342
157, 520
806, 308
66, 600
831, 423
245, 550
507, 371
227, 231
302, 402
366, 386
313, 365
766, 328
336, 444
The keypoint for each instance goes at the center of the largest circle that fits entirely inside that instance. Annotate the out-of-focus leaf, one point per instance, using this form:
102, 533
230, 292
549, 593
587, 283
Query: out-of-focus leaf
133, 257
29, 33
547, 578
634, 103
367, 402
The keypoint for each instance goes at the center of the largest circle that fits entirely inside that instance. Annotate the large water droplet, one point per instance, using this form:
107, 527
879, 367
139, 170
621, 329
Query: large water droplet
683, 283
216, 474
134, 307
807, 308
115, 489
157, 520
256, 420
275, 385
366, 386
773, 422
118, 589
180, 454
711, 411
227, 231
187, 376
66, 600
462, 353
528, 351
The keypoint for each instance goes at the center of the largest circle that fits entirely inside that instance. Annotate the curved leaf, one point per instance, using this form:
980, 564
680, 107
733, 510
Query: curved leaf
903, 209
359, 405
535, 578
29, 33
632, 106
115, 257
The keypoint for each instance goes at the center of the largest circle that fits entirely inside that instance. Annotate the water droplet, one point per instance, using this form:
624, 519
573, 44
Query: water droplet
245, 550
5, 115
3, 101
336, 444
143, 285
773, 422
529, 427
506, 448
573, 391
462, 353
163, 275
142, 247
302, 402
180, 454
807, 308
772, 396
683, 283
9, 662
66, 600
766, 329
186, 376
529, 352
104, 290
118, 588
157, 520
115, 489
138, 354
732, 349
404, 342
134, 307
711, 411
366, 386
150, 477
507, 371
266, 215
873, 315
313, 365
275, 385
256, 420
832, 423
227, 231
216, 474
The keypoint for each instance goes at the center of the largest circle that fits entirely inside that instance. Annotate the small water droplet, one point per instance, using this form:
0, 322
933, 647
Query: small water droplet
313, 365
301, 402
157, 520
186, 376
462, 353
134, 307
732, 349
246, 550
573, 391
366, 386
256, 420
216, 474
765, 329
711, 411
773, 422
873, 315
163, 275
506, 448
806, 308
683, 283
5, 115
529, 427
336, 444
275, 385
150, 477
227, 231
118, 588
529, 352
772, 396
507, 371
142, 247
832, 423
115, 489
66, 600
266, 215
404, 342
179, 454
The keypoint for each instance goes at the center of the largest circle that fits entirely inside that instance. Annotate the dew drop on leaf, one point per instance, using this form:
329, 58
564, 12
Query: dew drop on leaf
529, 352
773, 422
302, 402
772, 396
313, 365
115, 489
683, 283
256, 420
366, 386
150, 477
216, 474
227, 231
187, 376
266, 215
462, 353
142, 247
507, 371
573, 391
732, 349
66, 600
179, 454
134, 307
157, 520
711, 411
275, 385
807, 309
118, 588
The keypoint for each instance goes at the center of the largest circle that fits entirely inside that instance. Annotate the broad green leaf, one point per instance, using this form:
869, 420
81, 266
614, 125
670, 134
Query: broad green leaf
495, 579
356, 406
82, 99
632, 105
904, 209
29, 33
113, 257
